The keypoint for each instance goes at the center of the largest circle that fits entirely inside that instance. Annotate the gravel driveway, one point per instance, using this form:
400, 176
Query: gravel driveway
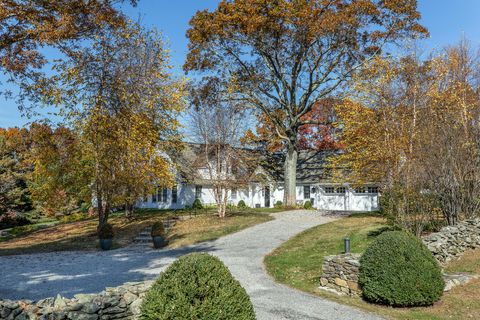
37, 276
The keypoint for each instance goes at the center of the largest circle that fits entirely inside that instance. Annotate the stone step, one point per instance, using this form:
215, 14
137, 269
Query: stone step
143, 238
145, 235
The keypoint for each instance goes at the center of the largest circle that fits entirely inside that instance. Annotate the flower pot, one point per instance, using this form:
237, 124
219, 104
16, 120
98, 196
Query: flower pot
106, 244
159, 242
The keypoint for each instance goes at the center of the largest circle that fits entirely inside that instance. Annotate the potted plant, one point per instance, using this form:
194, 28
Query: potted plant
158, 235
105, 234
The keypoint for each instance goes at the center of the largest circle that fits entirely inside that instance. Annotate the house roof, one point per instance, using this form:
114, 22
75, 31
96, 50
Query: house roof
193, 157
311, 165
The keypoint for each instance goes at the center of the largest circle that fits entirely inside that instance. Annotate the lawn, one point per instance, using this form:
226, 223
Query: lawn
81, 235
298, 263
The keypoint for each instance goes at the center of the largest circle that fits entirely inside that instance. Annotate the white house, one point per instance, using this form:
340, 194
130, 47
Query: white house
265, 185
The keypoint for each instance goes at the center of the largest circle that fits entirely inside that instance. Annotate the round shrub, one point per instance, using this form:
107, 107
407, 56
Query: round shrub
158, 230
307, 205
197, 204
241, 204
278, 204
105, 231
197, 286
397, 269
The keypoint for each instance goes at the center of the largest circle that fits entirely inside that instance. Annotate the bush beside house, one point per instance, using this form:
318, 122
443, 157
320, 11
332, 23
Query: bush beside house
241, 204
308, 205
197, 204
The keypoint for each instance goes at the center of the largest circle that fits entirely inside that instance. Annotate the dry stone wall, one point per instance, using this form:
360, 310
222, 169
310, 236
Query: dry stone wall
340, 273
452, 241
121, 302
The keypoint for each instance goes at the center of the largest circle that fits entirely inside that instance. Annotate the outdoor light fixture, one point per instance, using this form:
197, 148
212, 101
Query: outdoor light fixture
346, 244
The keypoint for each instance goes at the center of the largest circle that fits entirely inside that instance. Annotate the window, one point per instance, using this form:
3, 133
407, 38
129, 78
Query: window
234, 194
174, 194
198, 192
372, 189
306, 192
154, 197
360, 190
145, 199
329, 190
164, 195
341, 190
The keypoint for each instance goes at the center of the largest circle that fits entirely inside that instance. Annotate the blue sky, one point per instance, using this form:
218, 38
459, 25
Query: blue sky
447, 21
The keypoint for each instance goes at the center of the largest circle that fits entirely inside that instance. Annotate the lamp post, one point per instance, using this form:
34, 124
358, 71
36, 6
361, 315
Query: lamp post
346, 244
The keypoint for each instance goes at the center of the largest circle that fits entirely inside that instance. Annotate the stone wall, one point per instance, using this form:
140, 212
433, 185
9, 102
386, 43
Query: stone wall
121, 302
340, 273
452, 241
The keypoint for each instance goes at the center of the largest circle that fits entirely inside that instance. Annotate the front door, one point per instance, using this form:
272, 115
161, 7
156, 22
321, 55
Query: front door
267, 197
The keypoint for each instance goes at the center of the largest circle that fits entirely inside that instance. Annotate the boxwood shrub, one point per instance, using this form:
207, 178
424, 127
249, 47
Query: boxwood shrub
397, 269
197, 204
308, 205
158, 230
197, 286
241, 204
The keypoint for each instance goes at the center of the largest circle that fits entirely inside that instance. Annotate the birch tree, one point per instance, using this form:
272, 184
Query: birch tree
218, 123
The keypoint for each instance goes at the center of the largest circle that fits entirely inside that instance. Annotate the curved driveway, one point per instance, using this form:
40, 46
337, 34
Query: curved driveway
37, 276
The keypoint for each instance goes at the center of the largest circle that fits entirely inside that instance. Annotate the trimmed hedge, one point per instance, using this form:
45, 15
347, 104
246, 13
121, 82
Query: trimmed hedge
307, 205
278, 204
197, 204
241, 204
197, 286
158, 230
398, 270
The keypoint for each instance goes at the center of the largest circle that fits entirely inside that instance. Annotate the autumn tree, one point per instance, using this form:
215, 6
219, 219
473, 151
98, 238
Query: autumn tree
60, 178
282, 57
123, 103
412, 126
320, 136
28, 26
217, 124
14, 170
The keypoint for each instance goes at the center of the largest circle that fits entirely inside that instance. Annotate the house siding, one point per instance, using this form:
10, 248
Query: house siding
255, 197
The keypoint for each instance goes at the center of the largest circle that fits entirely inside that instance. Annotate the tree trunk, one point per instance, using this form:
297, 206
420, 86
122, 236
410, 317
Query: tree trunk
290, 176
103, 212
129, 210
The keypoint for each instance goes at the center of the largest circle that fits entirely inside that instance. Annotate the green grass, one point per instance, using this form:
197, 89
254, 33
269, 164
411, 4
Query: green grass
298, 263
210, 227
81, 234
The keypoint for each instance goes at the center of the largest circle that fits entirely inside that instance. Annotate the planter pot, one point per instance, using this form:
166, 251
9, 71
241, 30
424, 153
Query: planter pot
106, 244
159, 242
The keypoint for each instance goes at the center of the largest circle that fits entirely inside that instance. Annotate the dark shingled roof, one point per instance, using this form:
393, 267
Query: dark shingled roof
312, 166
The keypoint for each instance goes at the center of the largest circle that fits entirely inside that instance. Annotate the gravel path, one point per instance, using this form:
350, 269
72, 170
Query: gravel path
43, 275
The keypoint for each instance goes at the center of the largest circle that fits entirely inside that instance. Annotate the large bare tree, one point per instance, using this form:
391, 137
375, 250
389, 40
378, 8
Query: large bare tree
281, 57
218, 123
